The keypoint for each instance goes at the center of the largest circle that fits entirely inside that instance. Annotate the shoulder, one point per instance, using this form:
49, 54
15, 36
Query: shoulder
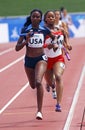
64, 24
45, 30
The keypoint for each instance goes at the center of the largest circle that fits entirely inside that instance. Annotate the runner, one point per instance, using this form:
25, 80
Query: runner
59, 25
66, 18
35, 60
56, 62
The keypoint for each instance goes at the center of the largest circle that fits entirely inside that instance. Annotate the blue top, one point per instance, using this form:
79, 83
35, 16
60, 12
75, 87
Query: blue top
42, 29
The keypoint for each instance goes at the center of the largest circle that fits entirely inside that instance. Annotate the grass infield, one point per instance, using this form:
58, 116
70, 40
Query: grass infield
23, 7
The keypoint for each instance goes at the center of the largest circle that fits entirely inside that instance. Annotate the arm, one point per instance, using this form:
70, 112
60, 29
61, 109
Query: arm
66, 36
54, 41
66, 53
20, 44
65, 28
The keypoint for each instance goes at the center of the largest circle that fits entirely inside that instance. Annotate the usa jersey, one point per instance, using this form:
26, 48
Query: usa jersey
37, 36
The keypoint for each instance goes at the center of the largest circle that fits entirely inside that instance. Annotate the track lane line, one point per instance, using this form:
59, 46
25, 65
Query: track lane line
11, 64
14, 97
6, 51
74, 102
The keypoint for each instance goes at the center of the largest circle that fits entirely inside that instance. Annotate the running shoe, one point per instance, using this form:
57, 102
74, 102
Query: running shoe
39, 116
47, 88
54, 95
53, 85
58, 108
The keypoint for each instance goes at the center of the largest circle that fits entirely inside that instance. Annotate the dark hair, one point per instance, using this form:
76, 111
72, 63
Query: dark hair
28, 19
26, 24
62, 9
34, 10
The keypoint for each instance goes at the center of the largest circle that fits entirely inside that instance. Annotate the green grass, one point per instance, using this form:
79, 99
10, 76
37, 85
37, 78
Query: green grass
23, 7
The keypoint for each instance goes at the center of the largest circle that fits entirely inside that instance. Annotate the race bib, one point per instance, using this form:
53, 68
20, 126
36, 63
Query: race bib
45, 57
36, 41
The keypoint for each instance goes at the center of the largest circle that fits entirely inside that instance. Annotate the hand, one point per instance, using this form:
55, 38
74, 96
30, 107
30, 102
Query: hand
50, 46
69, 47
55, 47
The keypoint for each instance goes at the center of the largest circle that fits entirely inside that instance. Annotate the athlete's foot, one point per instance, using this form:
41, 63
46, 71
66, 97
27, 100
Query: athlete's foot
58, 108
47, 88
39, 116
54, 95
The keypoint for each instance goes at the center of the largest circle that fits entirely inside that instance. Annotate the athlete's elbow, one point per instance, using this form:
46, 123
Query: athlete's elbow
16, 48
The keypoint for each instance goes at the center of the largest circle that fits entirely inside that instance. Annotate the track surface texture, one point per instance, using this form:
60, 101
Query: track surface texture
18, 100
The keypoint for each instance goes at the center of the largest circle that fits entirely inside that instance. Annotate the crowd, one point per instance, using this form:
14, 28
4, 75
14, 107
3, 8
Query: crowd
45, 54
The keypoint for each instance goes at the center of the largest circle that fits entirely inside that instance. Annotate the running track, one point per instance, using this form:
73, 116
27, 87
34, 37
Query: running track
18, 100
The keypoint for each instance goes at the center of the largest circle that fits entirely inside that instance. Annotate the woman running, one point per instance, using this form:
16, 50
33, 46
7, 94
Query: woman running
56, 62
35, 60
59, 25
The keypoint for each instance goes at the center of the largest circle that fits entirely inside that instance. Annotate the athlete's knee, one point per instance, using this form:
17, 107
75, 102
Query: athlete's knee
37, 83
32, 85
58, 78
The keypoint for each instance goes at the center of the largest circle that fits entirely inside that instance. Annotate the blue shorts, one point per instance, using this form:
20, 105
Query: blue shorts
30, 62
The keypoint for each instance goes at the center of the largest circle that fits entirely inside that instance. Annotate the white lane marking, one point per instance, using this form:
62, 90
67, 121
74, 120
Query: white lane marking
13, 98
11, 64
6, 51
75, 99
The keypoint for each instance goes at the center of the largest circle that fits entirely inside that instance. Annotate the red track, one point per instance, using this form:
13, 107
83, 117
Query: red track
19, 113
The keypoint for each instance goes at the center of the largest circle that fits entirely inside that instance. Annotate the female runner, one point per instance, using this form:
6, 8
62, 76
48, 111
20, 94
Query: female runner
35, 60
56, 62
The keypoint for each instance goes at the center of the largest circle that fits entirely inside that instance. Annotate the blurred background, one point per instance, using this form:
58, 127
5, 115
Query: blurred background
13, 15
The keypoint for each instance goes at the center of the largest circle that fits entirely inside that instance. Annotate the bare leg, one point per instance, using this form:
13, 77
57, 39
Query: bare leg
39, 72
31, 76
58, 71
